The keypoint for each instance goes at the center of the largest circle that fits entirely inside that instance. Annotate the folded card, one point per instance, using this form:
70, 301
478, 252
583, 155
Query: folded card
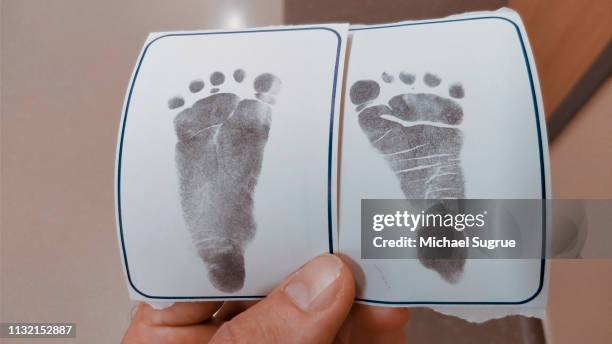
235, 164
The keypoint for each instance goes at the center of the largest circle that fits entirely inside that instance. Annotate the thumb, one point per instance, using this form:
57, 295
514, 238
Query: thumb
308, 307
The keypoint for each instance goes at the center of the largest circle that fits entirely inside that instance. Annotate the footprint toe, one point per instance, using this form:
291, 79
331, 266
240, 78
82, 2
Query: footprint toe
175, 102
386, 77
364, 91
267, 83
431, 80
266, 87
239, 75
407, 78
196, 85
217, 78
456, 91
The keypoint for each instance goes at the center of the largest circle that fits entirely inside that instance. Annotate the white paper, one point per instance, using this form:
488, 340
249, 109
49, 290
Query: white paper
489, 55
293, 197
502, 155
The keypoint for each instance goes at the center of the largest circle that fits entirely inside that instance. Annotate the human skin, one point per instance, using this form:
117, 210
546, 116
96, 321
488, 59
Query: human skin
313, 305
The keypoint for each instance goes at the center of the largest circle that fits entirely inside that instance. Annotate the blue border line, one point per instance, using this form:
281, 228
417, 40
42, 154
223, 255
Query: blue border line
329, 160
542, 171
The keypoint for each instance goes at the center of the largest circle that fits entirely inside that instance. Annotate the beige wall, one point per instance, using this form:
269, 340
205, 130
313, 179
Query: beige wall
581, 156
567, 37
65, 67
580, 308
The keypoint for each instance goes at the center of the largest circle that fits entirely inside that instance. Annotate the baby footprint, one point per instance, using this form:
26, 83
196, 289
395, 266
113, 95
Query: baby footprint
418, 134
219, 154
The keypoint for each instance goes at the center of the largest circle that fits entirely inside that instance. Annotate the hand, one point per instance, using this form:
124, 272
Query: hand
314, 305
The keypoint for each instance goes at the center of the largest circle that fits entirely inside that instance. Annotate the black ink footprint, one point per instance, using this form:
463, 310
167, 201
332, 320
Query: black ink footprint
219, 153
418, 135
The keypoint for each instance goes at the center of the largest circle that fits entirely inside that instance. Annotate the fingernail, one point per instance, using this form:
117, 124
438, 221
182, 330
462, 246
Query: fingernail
308, 288
158, 306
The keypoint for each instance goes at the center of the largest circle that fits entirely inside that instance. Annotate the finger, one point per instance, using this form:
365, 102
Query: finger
308, 307
370, 324
159, 305
378, 318
392, 337
398, 336
179, 314
142, 333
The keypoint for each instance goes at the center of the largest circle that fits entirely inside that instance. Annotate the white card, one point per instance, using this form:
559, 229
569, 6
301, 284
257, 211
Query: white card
226, 160
470, 92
